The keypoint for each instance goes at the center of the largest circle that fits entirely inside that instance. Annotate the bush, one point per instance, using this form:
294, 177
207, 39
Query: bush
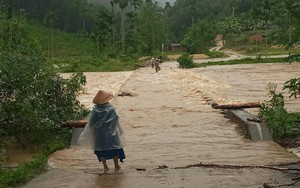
282, 124
215, 54
185, 61
9, 177
21, 174
34, 99
293, 86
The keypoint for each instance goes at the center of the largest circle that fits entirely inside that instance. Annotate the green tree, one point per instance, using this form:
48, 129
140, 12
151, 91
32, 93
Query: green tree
231, 25
13, 30
34, 99
262, 13
112, 4
167, 5
151, 28
49, 21
83, 14
234, 4
198, 37
291, 7
122, 4
136, 4
104, 29
131, 25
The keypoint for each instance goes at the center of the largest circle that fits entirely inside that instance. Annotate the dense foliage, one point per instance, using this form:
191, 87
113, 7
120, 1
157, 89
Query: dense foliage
74, 36
283, 124
34, 99
108, 34
254, 15
139, 27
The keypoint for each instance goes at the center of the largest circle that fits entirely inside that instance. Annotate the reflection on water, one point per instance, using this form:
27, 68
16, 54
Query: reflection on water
170, 121
111, 181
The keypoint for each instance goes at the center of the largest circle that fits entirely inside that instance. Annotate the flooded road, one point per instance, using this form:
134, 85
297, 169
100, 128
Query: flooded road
169, 124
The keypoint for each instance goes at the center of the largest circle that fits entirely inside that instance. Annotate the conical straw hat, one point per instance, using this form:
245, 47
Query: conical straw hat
102, 97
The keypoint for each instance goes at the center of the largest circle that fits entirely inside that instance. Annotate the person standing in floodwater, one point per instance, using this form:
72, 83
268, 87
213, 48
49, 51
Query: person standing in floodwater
156, 65
152, 62
103, 131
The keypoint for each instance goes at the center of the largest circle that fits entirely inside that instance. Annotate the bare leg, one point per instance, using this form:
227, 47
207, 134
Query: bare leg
116, 162
103, 160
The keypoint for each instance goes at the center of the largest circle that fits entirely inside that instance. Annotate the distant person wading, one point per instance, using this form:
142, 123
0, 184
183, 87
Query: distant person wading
156, 65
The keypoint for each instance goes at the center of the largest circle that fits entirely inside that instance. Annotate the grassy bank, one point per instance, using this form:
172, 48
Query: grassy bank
261, 49
22, 173
243, 61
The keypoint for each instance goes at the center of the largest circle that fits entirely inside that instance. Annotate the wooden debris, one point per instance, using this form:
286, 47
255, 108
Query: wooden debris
162, 167
208, 165
75, 124
235, 106
140, 169
125, 93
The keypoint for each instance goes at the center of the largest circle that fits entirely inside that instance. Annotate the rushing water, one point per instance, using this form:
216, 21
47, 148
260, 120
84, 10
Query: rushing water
169, 121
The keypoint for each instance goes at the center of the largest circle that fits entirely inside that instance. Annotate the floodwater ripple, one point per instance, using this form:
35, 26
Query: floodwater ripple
169, 121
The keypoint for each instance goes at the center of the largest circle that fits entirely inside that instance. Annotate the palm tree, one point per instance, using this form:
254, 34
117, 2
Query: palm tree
290, 6
231, 24
264, 16
83, 14
122, 4
49, 20
136, 3
167, 5
112, 4
234, 4
193, 12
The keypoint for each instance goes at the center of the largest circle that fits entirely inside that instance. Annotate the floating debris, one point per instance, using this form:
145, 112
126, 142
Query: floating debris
125, 93
140, 169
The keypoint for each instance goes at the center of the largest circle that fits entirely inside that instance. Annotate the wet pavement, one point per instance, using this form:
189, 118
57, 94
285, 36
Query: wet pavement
169, 124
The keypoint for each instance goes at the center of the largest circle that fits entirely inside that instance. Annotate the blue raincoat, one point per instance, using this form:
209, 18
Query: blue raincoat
103, 131
105, 127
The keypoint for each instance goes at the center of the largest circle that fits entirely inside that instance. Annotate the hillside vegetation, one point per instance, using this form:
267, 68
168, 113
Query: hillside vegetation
142, 27
41, 38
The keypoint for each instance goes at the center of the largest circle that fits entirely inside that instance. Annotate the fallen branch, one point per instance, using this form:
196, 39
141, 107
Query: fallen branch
235, 106
239, 167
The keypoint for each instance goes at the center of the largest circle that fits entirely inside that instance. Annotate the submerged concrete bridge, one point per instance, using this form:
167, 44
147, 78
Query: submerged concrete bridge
172, 132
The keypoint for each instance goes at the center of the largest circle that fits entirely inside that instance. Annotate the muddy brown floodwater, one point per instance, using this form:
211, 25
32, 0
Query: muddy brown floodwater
169, 124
